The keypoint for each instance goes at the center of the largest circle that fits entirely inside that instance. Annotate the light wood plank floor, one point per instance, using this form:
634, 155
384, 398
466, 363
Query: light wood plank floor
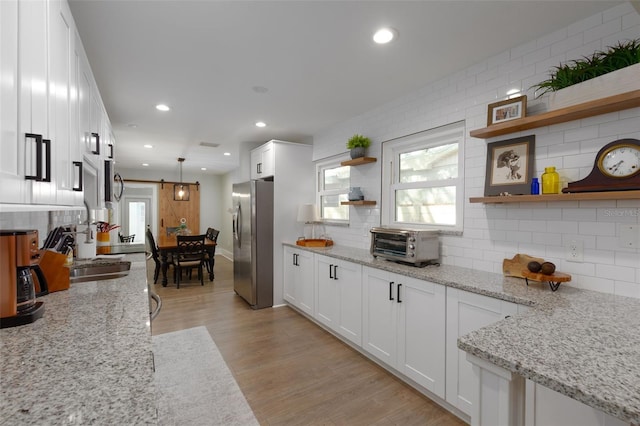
290, 370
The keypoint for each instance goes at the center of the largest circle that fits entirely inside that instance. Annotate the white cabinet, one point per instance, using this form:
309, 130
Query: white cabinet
12, 181
544, 407
298, 279
41, 162
63, 104
339, 296
263, 161
33, 115
404, 326
467, 312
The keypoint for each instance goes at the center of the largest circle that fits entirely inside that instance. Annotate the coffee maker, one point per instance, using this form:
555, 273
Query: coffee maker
21, 279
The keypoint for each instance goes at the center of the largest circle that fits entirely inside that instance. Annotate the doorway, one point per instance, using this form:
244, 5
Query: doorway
137, 215
137, 208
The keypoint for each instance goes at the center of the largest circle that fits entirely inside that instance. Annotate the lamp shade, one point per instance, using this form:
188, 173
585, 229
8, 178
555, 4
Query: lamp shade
307, 213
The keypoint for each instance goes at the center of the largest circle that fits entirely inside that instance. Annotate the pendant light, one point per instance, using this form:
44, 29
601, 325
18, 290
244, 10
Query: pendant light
181, 190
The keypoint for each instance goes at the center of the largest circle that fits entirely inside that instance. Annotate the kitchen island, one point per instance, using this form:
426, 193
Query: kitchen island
579, 343
88, 360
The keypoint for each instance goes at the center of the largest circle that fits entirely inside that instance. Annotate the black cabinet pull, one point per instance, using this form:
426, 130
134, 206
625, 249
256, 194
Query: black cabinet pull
46, 144
108, 178
110, 150
96, 137
390, 290
78, 164
331, 271
38, 141
335, 272
399, 301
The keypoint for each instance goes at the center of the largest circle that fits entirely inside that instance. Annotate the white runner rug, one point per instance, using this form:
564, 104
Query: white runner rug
193, 383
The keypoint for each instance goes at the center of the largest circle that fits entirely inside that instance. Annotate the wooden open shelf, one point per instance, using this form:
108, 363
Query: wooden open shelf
358, 161
562, 115
358, 203
543, 198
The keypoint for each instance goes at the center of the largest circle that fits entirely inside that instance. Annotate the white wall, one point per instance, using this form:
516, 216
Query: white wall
494, 232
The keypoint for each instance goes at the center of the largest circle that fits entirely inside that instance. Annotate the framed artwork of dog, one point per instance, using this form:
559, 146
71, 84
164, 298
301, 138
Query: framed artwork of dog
510, 166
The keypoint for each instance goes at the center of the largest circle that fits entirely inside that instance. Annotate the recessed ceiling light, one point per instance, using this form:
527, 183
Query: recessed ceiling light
145, 165
148, 146
132, 125
227, 153
260, 89
261, 124
203, 168
162, 107
384, 35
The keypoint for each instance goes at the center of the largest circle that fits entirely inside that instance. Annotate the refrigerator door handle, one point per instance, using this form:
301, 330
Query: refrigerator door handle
238, 232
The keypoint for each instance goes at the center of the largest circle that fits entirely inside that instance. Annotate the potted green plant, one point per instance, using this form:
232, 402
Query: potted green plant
599, 75
358, 145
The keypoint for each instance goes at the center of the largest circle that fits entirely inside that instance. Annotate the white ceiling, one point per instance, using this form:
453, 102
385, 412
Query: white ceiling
316, 58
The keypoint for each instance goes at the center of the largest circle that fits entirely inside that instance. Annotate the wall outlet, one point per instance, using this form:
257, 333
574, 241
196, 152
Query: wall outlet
574, 251
628, 235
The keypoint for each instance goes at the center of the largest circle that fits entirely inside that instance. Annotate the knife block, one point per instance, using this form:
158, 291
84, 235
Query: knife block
56, 274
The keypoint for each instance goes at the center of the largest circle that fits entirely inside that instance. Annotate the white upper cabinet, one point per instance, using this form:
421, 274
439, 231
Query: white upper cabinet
33, 119
63, 104
49, 106
263, 161
12, 181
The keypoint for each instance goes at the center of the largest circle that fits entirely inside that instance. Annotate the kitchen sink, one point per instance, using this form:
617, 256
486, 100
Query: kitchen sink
99, 270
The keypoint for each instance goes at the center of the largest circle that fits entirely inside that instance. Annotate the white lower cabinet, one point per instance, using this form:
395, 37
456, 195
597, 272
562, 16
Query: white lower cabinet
339, 296
467, 312
544, 407
404, 326
298, 279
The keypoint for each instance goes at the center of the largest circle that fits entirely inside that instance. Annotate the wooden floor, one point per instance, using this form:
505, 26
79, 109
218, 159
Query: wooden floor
290, 370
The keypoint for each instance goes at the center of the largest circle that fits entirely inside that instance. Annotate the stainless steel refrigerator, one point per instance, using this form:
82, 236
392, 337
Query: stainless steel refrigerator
253, 242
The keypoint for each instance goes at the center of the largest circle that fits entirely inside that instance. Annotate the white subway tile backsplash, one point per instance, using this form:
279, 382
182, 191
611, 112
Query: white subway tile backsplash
495, 232
615, 272
622, 288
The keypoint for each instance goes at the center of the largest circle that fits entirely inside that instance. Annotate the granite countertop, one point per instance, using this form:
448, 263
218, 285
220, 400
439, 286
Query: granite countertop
88, 360
582, 344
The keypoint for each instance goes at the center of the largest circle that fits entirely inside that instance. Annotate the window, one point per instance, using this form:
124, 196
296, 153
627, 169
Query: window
333, 187
425, 176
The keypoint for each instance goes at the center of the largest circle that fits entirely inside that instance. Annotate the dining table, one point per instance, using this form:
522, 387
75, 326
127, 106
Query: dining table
168, 246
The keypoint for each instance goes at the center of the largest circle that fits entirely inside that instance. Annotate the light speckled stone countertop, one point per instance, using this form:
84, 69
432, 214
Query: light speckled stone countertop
88, 360
583, 344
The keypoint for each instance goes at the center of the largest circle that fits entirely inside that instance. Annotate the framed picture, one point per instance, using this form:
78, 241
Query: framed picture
510, 166
507, 110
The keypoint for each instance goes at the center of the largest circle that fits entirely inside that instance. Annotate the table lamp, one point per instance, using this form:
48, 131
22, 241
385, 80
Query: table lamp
307, 214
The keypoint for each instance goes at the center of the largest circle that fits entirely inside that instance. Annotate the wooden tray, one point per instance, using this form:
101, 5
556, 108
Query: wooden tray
557, 277
314, 243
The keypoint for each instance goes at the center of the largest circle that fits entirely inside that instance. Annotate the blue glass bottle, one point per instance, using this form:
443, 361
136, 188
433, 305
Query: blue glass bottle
535, 187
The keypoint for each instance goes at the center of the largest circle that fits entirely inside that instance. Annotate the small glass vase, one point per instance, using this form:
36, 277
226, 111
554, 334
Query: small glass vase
355, 194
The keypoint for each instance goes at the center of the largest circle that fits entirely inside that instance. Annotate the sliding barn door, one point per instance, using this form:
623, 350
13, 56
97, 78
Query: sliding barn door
172, 211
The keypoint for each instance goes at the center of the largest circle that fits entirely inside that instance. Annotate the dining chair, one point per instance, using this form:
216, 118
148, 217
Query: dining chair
154, 254
190, 255
212, 234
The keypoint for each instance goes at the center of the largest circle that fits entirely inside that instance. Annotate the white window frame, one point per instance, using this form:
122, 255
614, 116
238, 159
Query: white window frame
330, 163
391, 150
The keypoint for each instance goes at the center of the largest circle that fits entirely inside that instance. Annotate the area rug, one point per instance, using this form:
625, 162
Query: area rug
193, 383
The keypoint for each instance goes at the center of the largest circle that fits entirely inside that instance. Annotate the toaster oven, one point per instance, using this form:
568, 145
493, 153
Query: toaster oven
417, 247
